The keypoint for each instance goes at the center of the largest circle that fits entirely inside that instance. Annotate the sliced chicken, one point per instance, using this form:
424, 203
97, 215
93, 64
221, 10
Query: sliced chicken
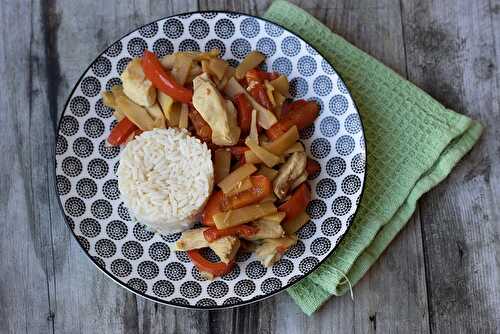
216, 111
271, 250
191, 239
136, 86
290, 171
225, 248
266, 230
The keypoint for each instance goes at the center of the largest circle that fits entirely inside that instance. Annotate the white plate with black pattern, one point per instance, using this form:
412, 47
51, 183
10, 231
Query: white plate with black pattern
145, 262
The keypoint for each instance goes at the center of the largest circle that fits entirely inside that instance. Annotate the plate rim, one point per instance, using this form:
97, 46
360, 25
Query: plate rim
200, 307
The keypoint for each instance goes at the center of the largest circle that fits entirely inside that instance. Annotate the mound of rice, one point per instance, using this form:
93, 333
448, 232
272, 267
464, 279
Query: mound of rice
165, 178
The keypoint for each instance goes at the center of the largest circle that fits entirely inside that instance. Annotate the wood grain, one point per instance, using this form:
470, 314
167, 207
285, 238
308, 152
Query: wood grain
452, 52
441, 274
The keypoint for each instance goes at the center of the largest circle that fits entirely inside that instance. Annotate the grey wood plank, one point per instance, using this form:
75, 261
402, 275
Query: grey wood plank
452, 52
25, 206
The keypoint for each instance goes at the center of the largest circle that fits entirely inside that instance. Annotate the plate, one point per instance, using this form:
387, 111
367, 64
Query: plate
145, 262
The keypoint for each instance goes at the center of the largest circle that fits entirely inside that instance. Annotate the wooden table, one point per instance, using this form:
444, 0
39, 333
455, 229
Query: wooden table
441, 275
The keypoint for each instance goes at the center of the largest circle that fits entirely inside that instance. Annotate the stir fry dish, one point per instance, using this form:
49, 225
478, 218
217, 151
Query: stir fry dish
246, 118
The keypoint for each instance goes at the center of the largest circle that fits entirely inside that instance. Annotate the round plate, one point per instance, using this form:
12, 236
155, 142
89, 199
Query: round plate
145, 262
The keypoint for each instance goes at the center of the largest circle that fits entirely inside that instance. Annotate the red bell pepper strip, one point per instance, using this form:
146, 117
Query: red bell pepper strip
244, 112
258, 92
215, 268
302, 116
261, 188
201, 127
212, 233
214, 206
297, 203
162, 79
259, 76
312, 167
121, 132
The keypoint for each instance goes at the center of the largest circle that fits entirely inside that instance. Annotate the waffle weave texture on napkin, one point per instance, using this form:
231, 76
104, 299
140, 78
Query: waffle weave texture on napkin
412, 141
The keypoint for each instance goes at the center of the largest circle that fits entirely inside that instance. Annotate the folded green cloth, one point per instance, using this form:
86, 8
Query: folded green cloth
412, 140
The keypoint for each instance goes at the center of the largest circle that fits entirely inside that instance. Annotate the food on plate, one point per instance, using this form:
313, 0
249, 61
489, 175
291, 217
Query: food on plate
158, 183
205, 141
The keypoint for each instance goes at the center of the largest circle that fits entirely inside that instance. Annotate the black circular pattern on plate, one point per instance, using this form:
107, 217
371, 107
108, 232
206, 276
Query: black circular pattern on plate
100, 262
175, 271
335, 167
83, 147
244, 288
249, 27
352, 124
270, 285
290, 46
206, 302
233, 62
173, 28
338, 104
240, 48
90, 86
296, 250
224, 28
162, 47
136, 47
341, 205
190, 289
316, 209
322, 85
283, 66
116, 230
307, 133
138, 285
101, 209
233, 274
101, 110
163, 288
105, 248
148, 269
232, 301
97, 168
298, 87
189, 45
306, 66
71, 166
115, 49
171, 237
63, 185
69, 125
329, 126
123, 212
182, 256
83, 242
74, 206
345, 145
307, 231
180, 301
217, 289
320, 148
101, 67
121, 267
79, 106
266, 46
294, 279
149, 30
122, 64
110, 189
282, 268
86, 188
326, 188
320, 246
358, 163
141, 233
159, 251
199, 29
197, 274
93, 127
61, 145
351, 184
216, 44
308, 264
90, 228
272, 29
132, 250
107, 151
113, 82
331, 226
255, 270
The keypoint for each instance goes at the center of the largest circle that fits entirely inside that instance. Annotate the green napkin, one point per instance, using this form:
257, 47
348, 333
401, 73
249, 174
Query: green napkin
412, 140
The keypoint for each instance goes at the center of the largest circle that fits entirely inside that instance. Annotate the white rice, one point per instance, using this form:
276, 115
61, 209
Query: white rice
165, 178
